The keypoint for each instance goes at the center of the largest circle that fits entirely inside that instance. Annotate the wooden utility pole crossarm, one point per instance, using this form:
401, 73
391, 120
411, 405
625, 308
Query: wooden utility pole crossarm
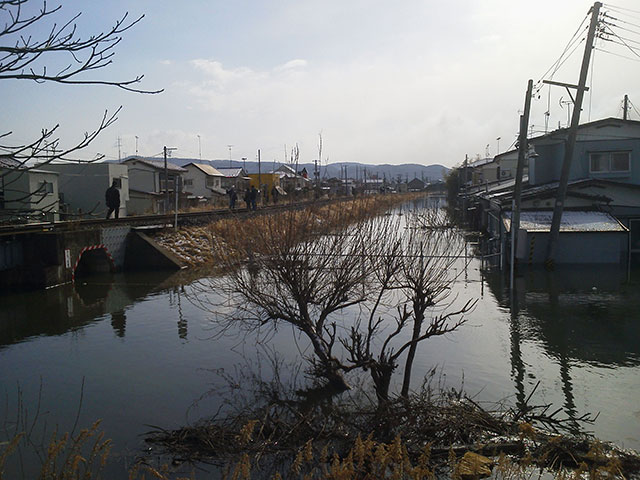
571, 139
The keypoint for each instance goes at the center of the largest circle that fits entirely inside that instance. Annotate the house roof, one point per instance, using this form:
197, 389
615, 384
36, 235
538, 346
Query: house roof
7, 161
480, 162
547, 190
206, 169
230, 172
157, 164
561, 132
286, 169
572, 221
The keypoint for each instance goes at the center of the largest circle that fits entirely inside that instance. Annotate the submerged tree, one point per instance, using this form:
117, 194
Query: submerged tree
35, 45
414, 279
360, 291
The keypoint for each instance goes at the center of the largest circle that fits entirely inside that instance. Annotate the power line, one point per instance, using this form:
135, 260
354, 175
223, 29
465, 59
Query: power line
621, 20
621, 40
573, 39
615, 7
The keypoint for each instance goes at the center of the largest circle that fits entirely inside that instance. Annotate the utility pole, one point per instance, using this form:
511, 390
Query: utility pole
517, 189
259, 172
136, 145
199, 148
230, 147
625, 107
166, 182
166, 151
119, 149
571, 140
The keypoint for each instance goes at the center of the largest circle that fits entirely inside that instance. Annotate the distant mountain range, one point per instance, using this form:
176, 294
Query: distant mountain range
406, 171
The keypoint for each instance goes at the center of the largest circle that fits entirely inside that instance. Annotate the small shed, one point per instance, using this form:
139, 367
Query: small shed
585, 237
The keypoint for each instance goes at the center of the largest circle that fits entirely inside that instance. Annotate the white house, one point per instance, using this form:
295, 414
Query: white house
147, 186
27, 195
82, 187
234, 177
202, 180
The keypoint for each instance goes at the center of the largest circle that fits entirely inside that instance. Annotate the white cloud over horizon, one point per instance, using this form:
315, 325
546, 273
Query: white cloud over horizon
409, 83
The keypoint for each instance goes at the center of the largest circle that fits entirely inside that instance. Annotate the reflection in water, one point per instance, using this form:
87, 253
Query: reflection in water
579, 316
69, 307
119, 322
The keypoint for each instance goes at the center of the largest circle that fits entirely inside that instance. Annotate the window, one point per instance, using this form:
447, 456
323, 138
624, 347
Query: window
609, 162
620, 162
209, 182
118, 182
188, 182
45, 187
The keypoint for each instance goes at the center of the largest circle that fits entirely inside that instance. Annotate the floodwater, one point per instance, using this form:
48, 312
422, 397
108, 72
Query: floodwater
134, 351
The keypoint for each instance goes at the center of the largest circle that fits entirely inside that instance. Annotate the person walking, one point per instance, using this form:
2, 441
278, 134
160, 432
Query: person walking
253, 197
233, 196
112, 199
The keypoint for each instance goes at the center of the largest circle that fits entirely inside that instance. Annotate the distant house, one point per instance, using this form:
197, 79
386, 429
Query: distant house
148, 187
27, 195
266, 181
202, 181
82, 187
290, 180
234, 177
416, 185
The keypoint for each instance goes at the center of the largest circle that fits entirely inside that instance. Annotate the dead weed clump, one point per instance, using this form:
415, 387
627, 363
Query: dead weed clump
204, 245
423, 437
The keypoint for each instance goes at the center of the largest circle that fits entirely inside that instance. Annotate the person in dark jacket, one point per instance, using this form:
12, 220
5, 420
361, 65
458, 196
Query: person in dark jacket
112, 199
253, 196
233, 196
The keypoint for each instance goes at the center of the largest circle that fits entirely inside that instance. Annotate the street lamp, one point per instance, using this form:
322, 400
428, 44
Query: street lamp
230, 147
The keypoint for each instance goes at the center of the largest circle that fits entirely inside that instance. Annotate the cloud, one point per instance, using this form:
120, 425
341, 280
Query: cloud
292, 64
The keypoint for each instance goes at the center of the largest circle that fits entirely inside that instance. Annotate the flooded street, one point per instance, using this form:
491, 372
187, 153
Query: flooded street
134, 351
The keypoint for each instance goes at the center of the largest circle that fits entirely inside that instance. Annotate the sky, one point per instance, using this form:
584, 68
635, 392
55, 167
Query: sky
381, 82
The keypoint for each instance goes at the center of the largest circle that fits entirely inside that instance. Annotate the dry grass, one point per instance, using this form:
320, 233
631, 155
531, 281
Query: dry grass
67, 457
196, 245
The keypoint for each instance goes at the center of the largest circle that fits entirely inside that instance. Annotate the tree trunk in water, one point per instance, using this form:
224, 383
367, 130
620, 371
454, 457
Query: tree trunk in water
381, 375
406, 381
337, 381
330, 366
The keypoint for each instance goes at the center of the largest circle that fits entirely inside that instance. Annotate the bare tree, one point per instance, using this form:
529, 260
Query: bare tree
414, 275
367, 287
35, 45
303, 268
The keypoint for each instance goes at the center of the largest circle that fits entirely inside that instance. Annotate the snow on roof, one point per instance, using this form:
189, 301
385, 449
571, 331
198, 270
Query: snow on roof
540, 221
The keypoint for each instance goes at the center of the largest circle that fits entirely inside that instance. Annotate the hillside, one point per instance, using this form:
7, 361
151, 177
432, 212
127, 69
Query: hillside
407, 171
